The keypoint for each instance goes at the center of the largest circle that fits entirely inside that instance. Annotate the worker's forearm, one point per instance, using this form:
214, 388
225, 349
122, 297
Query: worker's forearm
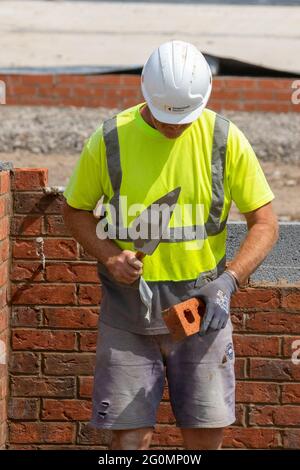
258, 243
82, 225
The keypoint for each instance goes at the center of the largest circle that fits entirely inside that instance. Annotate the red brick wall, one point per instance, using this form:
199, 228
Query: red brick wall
53, 336
122, 91
4, 293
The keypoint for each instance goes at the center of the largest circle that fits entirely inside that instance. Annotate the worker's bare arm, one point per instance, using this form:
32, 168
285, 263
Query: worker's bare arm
262, 235
122, 264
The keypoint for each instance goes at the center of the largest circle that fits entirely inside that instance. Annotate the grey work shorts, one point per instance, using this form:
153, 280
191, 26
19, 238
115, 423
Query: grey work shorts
130, 377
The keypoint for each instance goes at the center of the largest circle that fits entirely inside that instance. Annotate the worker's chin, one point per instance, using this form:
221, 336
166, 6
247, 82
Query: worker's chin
172, 134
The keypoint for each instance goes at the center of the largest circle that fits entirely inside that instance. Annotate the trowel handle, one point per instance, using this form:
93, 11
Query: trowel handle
140, 255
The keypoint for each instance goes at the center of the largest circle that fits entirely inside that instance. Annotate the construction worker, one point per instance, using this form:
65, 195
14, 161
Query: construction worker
172, 140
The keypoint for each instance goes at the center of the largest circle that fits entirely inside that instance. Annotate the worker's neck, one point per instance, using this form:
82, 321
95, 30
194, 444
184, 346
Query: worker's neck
146, 115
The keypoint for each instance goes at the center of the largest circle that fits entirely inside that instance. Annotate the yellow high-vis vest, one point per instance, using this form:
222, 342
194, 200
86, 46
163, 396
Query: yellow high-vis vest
143, 166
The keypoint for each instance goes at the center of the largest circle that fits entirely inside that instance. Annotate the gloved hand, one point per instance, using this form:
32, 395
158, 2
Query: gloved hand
216, 295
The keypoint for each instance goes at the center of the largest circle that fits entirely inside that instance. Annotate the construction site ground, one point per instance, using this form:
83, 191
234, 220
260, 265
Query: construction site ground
68, 33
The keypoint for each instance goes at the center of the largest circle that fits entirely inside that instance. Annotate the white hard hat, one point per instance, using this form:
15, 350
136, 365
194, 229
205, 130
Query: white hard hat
176, 82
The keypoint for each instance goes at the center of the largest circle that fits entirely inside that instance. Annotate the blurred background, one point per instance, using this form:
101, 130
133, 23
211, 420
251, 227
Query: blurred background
68, 65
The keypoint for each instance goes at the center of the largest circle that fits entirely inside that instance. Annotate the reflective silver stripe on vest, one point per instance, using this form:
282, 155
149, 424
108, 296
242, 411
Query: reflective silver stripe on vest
213, 226
111, 139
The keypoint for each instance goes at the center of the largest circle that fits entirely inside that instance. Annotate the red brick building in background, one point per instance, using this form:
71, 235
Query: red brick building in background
48, 322
122, 91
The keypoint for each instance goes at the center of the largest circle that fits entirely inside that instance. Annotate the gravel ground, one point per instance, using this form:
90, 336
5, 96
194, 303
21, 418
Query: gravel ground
47, 130
275, 137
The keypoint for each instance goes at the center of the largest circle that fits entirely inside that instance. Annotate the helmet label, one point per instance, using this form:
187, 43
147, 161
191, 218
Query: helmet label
177, 109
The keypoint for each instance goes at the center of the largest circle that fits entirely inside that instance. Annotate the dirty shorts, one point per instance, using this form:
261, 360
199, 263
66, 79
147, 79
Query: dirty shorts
130, 377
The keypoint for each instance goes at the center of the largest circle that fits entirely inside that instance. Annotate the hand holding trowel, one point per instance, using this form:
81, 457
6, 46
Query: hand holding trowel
148, 228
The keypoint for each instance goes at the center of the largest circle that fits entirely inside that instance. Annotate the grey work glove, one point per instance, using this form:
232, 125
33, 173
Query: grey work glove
216, 296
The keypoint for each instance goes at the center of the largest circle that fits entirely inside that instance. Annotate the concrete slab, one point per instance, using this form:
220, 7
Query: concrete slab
43, 33
282, 265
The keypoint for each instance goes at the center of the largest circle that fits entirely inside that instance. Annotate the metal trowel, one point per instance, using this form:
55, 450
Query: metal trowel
153, 221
